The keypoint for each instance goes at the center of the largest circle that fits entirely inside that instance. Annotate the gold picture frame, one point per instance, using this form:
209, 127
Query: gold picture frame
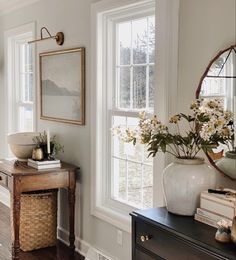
62, 86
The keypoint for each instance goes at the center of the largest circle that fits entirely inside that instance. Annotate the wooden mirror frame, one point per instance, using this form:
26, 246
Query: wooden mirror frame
197, 96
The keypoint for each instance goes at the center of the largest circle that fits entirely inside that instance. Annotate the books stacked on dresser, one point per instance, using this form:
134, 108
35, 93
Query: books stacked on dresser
214, 207
45, 164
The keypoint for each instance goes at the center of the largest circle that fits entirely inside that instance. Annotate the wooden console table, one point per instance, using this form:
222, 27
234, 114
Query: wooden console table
18, 178
157, 234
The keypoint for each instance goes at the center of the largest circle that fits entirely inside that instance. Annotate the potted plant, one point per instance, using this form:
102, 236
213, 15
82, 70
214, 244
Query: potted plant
204, 128
55, 146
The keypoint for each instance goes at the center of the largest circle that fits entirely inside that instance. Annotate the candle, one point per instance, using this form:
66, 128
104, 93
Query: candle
234, 111
48, 141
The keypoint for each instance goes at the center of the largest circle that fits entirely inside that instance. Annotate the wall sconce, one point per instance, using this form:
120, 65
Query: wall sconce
59, 37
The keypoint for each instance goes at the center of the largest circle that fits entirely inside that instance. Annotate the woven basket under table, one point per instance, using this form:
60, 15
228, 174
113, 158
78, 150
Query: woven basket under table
38, 220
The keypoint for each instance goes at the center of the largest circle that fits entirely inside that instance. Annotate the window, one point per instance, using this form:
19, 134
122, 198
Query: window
217, 83
132, 171
123, 71
20, 79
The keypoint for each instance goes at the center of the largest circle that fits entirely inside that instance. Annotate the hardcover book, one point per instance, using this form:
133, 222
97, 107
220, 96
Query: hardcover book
227, 210
220, 198
45, 162
213, 216
205, 220
46, 166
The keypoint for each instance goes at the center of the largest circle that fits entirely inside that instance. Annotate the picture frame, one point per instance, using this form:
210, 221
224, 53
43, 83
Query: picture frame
62, 85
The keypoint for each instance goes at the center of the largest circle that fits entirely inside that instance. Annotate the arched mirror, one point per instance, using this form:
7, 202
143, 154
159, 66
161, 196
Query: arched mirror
219, 81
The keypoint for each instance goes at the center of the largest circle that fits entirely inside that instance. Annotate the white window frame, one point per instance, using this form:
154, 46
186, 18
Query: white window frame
11, 37
167, 48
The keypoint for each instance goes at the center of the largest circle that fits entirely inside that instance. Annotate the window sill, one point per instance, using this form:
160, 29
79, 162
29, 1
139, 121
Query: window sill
117, 219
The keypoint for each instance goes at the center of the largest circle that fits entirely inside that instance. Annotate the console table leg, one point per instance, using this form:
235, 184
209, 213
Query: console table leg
15, 208
71, 198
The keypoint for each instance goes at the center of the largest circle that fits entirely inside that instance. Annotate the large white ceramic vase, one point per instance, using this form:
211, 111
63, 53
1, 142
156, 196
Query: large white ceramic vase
183, 181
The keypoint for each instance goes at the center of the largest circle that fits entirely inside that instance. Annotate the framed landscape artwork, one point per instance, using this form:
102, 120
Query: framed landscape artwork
62, 85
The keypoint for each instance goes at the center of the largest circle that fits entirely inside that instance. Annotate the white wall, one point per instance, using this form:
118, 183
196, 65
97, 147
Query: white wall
206, 26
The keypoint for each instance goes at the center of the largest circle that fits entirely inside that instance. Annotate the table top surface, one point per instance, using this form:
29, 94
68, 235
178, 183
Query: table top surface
189, 229
11, 168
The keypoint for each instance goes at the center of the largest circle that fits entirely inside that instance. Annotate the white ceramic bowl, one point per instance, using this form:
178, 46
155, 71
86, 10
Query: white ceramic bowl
22, 144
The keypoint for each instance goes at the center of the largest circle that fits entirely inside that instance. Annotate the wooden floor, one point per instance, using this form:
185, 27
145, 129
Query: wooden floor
58, 252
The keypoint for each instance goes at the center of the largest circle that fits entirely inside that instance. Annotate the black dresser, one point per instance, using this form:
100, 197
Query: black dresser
157, 234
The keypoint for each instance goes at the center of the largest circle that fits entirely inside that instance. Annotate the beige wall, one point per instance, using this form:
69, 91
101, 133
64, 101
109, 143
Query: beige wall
206, 26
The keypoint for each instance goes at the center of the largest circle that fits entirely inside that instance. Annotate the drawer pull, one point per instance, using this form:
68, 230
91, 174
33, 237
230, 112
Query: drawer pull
0, 178
144, 238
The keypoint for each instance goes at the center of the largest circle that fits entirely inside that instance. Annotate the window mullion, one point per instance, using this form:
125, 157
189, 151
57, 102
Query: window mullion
147, 68
131, 69
127, 174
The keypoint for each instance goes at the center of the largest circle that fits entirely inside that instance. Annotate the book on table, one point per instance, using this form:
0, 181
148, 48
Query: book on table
220, 204
215, 207
205, 220
47, 164
44, 162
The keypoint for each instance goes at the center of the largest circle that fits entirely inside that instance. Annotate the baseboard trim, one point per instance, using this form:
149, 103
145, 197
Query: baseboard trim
4, 196
81, 246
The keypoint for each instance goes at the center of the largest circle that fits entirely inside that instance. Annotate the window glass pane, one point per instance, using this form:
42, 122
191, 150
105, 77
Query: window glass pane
129, 164
118, 145
124, 87
120, 179
147, 159
213, 87
26, 58
140, 36
139, 87
151, 40
119, 148
147, 186
133, 152
134, 183
124, 31
25, 119
151, 87
26, 83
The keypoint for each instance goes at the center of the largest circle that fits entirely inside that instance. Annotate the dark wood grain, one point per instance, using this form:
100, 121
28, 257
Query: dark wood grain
171, 234
59, 252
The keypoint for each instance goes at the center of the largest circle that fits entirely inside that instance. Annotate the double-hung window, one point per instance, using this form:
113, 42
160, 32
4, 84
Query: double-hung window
123, 66
20, 78
134, 48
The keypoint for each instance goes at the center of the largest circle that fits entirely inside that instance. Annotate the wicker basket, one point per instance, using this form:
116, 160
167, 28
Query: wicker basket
38, 220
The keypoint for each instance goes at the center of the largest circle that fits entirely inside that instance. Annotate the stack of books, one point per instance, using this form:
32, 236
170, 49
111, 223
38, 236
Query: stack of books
214, 207
40, 165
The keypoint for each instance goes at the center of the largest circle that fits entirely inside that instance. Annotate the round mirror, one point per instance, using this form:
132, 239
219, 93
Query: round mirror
219, 81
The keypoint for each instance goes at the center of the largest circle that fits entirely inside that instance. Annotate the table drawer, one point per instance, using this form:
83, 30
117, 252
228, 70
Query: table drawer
167, 246
3, 179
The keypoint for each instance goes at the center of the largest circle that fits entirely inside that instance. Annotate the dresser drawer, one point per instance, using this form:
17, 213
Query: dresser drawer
3, 179
139, 255
166, 245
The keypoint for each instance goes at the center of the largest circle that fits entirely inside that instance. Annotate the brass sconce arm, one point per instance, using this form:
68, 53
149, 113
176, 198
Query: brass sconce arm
59, 37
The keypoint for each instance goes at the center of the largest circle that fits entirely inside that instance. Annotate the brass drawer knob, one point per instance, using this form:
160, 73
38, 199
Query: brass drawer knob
144, 238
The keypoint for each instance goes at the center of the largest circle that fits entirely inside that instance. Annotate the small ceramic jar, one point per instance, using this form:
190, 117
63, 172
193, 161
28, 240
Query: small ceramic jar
37, 154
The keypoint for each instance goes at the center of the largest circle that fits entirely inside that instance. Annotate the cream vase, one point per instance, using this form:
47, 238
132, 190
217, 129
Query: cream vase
183, 181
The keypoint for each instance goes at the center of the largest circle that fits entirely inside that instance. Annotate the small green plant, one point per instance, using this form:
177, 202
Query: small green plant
41, 141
